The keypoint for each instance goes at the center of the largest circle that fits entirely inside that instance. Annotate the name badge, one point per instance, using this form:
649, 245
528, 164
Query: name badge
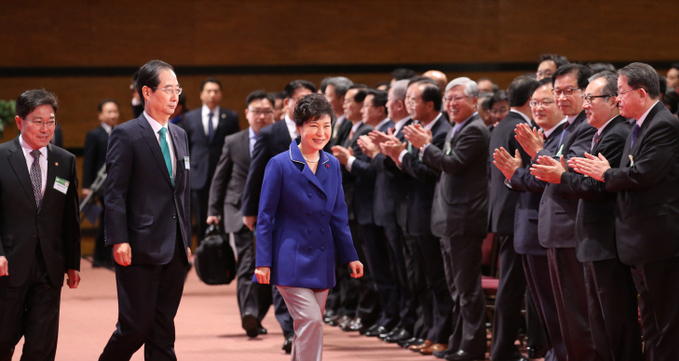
61, 185
187, 164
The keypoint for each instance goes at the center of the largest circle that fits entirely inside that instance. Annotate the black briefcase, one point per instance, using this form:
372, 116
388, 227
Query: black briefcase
215, 262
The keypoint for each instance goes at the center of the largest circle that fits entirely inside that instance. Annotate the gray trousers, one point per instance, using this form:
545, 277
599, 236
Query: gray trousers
306, 306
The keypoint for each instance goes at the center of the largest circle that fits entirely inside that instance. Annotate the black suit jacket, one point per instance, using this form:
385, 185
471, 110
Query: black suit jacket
205, 153
359, 188
502, 202
460, 205
341, 135
271, 140
557, 214
528, 205
226, 190
142, 207
55, 226
647, 224
423, 183
96, 142
595, 221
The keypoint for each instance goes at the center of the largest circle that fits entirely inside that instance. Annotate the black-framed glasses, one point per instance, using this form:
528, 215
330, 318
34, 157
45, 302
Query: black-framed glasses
588, 98
261, 111
568, 91
40, 123
169, 90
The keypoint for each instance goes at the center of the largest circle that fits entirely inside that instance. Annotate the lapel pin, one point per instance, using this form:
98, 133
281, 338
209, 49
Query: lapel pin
223, 115
56, 164
327, 165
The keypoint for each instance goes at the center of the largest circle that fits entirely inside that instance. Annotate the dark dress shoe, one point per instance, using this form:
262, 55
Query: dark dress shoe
329, 314
287, 345
443, 353
537, 352
388, 332
410, 341
398, 336
363, 327
462, 355
262, 331
376, 331
250, 325
341, 320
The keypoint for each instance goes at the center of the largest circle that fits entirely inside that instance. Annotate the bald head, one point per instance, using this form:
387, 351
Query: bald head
438, 77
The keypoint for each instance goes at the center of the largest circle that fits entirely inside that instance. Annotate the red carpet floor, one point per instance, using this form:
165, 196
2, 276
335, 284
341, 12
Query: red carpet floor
207, 323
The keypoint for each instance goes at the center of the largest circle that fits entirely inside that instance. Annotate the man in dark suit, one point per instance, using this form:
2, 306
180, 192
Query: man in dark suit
647, 224
384, 210
206, 128
512, 284
373, 237
335, 92
270, 141
459, 213
424, 104
534, 257
226, 192
148, 220
39, 230
556, 228
96, 142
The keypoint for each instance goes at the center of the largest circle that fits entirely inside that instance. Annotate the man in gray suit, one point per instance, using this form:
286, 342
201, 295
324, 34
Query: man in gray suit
459, 213
224, 205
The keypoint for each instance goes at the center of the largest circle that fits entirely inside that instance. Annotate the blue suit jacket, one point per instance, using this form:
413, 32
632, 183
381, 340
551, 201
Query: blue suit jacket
302, 220
142, 206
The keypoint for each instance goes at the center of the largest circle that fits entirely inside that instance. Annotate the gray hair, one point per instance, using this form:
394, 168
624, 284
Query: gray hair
471, 90
399, 89
611, 87
640, 75
341, 85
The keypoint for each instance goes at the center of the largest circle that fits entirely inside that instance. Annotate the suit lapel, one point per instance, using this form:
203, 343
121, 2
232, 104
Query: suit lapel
17, 160
54, 163
296, 156
179, 161
152, 142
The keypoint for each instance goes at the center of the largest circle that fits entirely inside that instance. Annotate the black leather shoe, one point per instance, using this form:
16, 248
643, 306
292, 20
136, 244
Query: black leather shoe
399, 336
537, 352
462, 355
384, 335
287, 345
339, 320
444, 353
329, 314
262, 331
353, 325
250, 325
411, 341
376, 331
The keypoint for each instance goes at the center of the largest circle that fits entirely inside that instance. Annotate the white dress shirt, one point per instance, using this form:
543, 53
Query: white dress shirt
156, 128
42, 161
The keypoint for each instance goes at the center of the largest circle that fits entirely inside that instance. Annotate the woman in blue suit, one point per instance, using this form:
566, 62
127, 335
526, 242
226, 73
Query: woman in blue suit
302, 221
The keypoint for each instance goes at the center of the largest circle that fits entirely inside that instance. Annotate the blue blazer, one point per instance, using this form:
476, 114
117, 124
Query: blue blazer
302, 220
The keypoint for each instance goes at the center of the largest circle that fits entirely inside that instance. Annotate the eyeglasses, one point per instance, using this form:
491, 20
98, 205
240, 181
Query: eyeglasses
544, 74
545, 103
623, 92
261, 111
569, 91
453, 99
588, 98
40, 123
169, 90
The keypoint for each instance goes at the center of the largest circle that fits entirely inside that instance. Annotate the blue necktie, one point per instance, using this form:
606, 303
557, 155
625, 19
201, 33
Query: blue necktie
166, 152
634, 134
210, 128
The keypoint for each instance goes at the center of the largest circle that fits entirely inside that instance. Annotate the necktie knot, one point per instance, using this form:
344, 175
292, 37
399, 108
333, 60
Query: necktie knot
162, 131
35, 153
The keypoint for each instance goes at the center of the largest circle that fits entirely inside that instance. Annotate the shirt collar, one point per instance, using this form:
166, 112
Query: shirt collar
605, 125
641, 119
251, 133
431, 124
383, 122
106, 127
205, 110
524, 116
400, 124
292, 129
548, 132
155, 125
354, 127
27, 148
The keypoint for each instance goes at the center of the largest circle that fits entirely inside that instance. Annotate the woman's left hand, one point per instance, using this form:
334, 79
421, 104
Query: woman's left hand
356, 269
263, 275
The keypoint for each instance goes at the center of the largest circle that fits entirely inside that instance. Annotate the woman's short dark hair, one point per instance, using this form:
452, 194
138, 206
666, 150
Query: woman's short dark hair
31, 99
311, 107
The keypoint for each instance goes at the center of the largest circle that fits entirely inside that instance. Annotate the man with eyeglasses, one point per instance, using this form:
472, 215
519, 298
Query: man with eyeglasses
148, 219
206, 128
549, 63
612, 298
39, 230
647, 221
270, 141
556, 227
224, 209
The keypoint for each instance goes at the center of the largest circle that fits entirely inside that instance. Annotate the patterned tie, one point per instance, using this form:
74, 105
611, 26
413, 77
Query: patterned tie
210, 128
634, 134
36, 177
166, 152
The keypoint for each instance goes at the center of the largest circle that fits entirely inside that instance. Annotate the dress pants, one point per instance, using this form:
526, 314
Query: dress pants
199, 203
570, 295
102, 254
658, 290
378, 262
32, 311
148, 298
537, 276
306, 307
395, 251
253, 298
612, 305
462, 261
508, 301
368, 307
422, 304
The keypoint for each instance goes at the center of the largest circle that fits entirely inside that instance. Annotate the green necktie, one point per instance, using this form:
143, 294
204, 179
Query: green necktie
166, 152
